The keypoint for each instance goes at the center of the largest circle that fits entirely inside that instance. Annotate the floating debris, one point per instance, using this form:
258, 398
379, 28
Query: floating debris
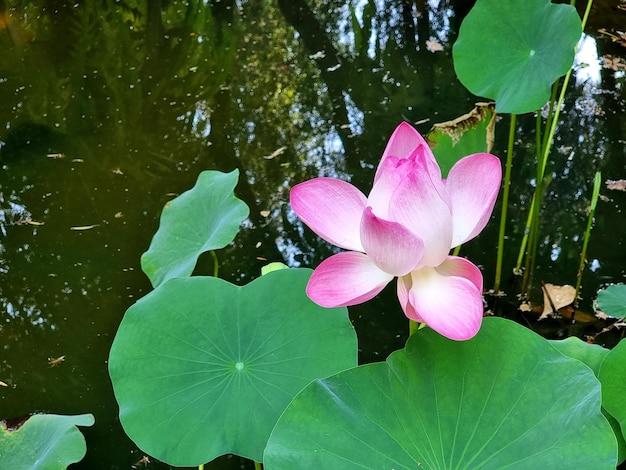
275, 153
555, 298
84, 227
56, 361
434, 46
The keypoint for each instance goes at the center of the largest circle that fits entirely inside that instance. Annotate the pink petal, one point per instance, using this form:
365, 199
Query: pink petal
404, 140
446, 300
390, 173
404, 287
418, 204
332, 209
347, 278
392, 247
473, 184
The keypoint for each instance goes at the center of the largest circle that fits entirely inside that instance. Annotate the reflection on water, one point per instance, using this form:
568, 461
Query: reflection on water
109, 109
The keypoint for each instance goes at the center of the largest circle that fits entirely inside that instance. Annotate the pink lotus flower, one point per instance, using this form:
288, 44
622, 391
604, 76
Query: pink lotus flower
405, 228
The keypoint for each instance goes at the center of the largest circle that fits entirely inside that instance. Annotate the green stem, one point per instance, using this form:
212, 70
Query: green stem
201, 466
544, 152
505, 204
216, 263
413, 326
522, 249
592, 210
258, 465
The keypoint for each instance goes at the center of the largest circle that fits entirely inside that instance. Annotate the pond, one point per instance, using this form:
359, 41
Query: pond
110, 109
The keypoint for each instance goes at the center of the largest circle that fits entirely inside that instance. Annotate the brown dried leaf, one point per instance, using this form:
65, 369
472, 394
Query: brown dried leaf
557, 297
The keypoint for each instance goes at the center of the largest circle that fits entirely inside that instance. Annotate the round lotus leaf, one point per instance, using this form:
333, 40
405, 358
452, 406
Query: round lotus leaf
201, 367
512, 51
504, 399
612, 300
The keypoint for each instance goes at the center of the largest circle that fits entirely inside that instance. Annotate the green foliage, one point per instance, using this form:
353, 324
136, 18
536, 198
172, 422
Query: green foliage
201, 367
612, 374
206, 217
504, 399
468, 134
612, 300
593, 355
44, 442
590, 354
513, 51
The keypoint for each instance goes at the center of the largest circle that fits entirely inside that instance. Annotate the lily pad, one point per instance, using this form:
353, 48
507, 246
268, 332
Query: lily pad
504, 399
44, 441
207, 217
201, 367
512, 51
590, 354
613, 378
468, 134
612, 300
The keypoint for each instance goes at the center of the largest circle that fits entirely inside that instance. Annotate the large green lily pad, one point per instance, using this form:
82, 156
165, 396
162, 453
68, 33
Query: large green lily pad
504, 399
45, 441
201, 367
590, 354
512, 51
207, 217
613, 378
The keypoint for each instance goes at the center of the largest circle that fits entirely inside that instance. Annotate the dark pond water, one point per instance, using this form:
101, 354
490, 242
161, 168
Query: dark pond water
108, 109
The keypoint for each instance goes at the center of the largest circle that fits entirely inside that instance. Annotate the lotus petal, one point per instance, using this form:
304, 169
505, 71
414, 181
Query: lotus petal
392, 247
446, 300
344, 279
332, 209
473, 185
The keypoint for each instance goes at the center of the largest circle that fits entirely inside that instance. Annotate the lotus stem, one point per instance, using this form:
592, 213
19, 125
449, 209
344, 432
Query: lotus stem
216, 263
505, 204
592, 209
543, 151
258, 465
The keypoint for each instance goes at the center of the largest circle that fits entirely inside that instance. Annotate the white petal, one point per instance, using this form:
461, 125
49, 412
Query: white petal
450, 304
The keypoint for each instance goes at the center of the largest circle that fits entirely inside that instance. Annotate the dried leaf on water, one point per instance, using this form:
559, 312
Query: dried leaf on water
84, 227
555, 298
